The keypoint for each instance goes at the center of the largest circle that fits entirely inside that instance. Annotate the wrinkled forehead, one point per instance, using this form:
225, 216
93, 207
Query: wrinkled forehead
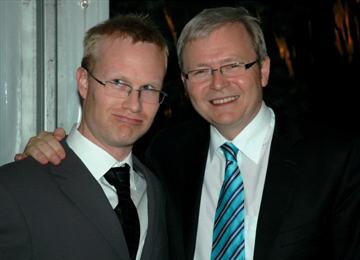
229, 32
231, 40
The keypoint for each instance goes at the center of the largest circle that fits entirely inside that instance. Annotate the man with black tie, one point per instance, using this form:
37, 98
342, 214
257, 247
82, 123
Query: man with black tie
296, 192
66, 211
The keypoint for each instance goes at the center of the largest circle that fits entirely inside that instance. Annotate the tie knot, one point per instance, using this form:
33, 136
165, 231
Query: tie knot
119, 177
230, 151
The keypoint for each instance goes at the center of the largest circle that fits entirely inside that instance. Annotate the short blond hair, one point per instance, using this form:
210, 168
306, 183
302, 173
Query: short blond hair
139, 28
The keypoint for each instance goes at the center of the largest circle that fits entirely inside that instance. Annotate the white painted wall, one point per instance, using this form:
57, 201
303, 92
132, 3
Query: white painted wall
40, 48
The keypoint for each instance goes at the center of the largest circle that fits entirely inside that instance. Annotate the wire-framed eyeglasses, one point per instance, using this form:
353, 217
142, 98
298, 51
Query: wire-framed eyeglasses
202, 75
120, 89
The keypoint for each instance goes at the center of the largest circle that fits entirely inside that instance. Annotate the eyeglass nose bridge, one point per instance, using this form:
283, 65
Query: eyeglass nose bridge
130, 89
220, 69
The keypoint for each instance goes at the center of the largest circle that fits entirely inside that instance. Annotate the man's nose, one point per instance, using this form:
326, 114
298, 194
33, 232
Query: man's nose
218, 80
133, 101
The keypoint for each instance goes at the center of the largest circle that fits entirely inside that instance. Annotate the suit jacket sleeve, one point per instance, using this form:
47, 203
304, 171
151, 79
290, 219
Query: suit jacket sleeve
346, 227
14, 236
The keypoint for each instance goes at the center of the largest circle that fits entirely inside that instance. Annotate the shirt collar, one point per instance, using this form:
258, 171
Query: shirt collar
96, 159
251, 139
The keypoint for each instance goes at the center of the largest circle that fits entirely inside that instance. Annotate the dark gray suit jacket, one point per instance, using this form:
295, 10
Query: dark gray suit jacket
61, 212
310, 208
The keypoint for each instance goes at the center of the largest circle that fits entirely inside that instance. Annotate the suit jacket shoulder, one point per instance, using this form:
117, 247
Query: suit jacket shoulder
311, 195
177, 155
57, 212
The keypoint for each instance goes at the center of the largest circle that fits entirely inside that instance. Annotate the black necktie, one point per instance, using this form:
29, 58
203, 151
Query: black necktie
119, 177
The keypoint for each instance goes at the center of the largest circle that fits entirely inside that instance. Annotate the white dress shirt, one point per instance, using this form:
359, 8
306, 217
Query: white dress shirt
98, 162
254, 148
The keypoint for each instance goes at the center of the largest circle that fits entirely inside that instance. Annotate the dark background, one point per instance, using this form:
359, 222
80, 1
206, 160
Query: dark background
314, 47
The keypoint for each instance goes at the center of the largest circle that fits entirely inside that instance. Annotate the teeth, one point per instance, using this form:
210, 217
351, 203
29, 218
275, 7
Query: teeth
224, 100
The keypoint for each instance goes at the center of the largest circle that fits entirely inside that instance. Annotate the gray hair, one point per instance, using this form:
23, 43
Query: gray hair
211, 19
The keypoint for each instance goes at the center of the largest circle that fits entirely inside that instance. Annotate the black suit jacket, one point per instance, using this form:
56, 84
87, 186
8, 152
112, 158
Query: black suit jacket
61, 212
310, 207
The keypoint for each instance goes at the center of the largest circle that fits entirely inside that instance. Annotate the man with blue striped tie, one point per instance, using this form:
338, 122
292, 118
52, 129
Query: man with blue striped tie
289, 194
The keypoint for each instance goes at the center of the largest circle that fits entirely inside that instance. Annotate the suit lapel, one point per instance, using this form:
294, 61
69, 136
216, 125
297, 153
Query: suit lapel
83, 190
277, 194
195, 175
152, 210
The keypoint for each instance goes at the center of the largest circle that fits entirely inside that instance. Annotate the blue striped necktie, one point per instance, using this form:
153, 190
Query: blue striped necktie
228, 234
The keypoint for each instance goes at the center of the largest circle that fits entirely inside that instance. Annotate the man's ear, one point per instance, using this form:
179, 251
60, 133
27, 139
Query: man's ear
265, 71
82, 82
183, 79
